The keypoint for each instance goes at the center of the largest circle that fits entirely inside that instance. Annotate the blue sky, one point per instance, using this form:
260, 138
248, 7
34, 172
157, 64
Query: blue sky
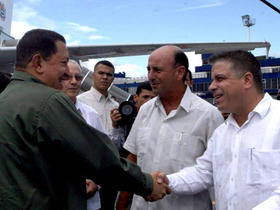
148, 21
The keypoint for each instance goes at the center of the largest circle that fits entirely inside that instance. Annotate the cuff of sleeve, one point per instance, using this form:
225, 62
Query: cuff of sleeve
148, 189
116, 130
171, 180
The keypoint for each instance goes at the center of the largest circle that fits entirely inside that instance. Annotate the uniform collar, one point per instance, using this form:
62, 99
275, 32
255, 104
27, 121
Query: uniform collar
24, 76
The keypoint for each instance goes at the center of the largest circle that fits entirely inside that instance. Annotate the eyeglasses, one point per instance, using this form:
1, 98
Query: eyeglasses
70, 77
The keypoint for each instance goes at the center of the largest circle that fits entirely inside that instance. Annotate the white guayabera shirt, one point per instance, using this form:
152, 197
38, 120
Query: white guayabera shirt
243, 162
102, 105
171, 142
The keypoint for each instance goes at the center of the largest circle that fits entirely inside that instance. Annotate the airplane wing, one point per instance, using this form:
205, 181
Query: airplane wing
85, 52
104, 51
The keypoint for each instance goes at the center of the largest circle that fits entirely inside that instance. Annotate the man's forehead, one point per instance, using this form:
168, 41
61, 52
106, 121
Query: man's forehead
161, 57
146, 92
61, 49
73, 68
102, 67
221, 68
222, 65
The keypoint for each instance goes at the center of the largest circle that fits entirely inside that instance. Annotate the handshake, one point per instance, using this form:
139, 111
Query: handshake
160, 188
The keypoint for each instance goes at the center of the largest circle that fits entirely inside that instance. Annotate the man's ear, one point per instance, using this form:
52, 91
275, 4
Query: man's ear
181, 71
36, 62
248, 79
135, 98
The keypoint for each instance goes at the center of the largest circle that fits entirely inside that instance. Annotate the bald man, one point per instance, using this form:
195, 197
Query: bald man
172, 129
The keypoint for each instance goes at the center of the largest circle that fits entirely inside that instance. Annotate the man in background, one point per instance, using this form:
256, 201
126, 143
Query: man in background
100, 100
189, 79
98, 96
71, 85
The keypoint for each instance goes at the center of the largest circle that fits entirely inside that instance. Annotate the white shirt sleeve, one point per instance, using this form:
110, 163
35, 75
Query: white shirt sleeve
98, 124
191, 180
130, 143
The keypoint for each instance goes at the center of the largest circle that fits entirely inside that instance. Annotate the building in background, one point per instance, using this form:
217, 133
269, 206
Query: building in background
6, 11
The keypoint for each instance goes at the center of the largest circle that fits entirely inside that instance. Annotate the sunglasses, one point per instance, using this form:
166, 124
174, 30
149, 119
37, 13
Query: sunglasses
70, 77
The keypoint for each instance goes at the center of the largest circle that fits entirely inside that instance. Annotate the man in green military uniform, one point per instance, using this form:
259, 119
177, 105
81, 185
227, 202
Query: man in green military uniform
47, 150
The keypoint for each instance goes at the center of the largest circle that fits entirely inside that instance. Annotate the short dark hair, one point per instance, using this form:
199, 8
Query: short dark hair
143, 85
242, 62
190, 74
180, 58
106, 63
36, 41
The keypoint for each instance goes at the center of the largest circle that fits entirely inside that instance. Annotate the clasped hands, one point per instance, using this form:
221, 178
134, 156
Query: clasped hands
160, 188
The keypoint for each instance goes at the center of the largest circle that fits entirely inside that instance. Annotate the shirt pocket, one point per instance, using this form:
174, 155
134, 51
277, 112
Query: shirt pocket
186, 148
264, 168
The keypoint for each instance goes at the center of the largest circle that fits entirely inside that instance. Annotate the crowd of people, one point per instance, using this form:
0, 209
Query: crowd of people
64, 150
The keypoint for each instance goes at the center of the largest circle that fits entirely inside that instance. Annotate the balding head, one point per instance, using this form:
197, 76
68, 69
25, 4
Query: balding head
167, 53
173, 55
167, 68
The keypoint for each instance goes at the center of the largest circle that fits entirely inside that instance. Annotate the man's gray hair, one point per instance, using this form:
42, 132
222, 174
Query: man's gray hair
76, 63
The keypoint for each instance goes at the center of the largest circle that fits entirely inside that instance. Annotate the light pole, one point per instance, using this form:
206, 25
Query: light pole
248, 23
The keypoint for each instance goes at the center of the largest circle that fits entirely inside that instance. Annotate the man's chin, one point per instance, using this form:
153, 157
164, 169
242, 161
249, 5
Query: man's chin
155, 91
223, 109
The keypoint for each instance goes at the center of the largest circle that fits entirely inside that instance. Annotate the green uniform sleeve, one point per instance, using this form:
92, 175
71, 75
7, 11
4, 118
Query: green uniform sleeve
90, 152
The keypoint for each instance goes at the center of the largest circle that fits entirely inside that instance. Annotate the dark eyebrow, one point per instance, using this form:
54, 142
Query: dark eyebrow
155, 68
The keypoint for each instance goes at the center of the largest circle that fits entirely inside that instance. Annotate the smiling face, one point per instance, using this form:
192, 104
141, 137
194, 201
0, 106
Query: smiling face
227, 87
162, 71
54, 68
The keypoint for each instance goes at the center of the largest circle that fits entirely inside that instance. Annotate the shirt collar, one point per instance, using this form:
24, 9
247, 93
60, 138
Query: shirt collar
185, 103
77, 104
261, 109
100, 96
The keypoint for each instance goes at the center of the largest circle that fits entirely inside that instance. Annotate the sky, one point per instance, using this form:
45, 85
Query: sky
96, 22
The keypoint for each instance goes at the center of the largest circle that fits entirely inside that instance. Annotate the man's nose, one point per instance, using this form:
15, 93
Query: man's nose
73, 80
150, 75
212, 86
104, 76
